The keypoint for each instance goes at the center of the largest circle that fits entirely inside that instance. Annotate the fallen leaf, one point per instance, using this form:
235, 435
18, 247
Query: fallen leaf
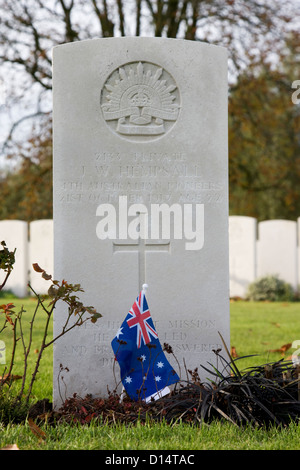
36, 429
7, 378
283, 348
233, 352
10, 447
286, 347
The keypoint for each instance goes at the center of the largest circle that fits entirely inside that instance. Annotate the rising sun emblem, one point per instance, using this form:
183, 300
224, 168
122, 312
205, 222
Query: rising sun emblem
140, 101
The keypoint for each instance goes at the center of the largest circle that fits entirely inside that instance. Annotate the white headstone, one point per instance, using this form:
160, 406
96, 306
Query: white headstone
242, 254
277, 250
140, 126
15, 235
298, 251
41, 252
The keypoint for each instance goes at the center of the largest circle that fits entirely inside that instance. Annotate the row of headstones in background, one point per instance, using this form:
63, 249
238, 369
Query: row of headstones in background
260, 249
34, 244
255, 250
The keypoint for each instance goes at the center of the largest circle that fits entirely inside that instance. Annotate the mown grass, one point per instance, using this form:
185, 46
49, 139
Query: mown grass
260, 327
220, 435
43, 386
256, 328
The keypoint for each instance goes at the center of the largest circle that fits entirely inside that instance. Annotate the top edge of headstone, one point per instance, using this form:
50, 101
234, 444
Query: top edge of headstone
242, 217
15, 221
275, 221
87, 42
40, 220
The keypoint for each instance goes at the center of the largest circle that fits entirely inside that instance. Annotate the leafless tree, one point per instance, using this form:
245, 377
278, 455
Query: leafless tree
29, 29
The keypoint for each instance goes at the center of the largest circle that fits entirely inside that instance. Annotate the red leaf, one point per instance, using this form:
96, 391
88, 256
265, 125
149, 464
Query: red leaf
36, 429
37, 268
46, 276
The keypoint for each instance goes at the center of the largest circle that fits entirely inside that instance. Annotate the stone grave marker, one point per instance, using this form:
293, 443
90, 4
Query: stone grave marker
298, 250
41, 252
140, 195
15, 235
277, 250
242, 254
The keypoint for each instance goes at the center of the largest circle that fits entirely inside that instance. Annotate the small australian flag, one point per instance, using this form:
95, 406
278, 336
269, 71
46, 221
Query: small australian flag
144, 368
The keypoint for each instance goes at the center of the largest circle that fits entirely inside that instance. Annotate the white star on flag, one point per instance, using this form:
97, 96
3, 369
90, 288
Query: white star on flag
119, 332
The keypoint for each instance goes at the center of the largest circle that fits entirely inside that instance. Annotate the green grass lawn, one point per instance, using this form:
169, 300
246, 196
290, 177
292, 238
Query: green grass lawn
43, 385
256, 328
260, 327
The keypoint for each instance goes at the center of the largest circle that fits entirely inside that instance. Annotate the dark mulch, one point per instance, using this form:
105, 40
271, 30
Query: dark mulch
261, 396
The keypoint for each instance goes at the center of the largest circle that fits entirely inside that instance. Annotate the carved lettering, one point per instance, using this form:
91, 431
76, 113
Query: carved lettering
196, 348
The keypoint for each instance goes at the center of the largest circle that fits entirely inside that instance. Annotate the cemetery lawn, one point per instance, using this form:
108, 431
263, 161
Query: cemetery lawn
257, 328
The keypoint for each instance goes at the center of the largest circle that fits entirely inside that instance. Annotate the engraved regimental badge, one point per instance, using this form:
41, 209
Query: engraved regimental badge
140, 101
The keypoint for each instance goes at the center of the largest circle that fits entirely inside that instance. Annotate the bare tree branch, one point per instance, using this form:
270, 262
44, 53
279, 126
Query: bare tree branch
70, 33
107, 25
138, 17
30, 29
121, 17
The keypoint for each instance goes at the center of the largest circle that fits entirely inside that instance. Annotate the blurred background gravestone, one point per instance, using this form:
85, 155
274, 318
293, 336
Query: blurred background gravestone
242, 254
41, 252
15, 235
277, 250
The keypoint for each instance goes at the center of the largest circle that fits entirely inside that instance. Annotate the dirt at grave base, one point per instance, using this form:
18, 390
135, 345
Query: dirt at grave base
83, 410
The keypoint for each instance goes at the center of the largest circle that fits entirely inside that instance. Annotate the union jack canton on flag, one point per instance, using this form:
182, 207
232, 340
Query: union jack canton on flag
144, 368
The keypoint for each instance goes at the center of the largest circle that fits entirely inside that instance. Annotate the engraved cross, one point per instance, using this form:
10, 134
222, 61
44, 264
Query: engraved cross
142, 247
